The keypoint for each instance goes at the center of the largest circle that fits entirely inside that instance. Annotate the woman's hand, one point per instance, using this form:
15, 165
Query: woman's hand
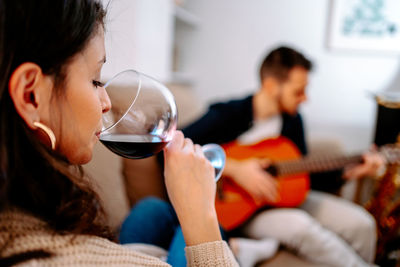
251, 176
189, 178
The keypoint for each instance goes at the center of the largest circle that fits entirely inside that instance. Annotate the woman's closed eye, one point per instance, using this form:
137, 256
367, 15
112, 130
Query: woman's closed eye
97, 83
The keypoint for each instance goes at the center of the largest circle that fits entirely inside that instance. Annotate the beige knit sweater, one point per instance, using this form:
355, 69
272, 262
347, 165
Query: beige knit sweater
20, 232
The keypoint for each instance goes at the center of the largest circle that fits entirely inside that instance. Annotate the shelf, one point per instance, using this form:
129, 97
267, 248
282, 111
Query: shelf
186, 17
186, 23
181, 78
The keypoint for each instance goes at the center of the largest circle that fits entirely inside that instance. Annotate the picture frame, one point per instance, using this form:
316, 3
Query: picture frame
369, 25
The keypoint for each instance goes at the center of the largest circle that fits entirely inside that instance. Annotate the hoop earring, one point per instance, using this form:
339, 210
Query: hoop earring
49, 133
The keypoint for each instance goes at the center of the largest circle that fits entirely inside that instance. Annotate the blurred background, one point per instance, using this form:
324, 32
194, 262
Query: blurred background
212, 50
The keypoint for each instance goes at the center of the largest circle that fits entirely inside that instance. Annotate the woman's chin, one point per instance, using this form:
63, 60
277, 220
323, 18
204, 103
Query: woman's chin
86, 159
81, 158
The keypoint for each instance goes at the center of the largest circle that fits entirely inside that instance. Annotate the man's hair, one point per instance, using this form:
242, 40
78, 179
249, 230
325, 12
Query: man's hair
280, 61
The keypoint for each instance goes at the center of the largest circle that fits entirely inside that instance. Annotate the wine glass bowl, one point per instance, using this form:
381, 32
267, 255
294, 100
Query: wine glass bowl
142, 118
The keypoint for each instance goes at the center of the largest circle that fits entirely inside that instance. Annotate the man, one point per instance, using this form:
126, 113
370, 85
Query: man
325, 229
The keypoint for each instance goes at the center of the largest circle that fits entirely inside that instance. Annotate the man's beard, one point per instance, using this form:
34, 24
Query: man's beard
283, 109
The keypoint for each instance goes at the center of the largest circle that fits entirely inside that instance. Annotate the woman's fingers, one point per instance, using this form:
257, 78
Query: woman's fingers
188, 145
177, 141
198, 150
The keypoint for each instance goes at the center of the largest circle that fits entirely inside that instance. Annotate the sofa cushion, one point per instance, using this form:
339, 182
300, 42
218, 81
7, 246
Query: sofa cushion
143, 177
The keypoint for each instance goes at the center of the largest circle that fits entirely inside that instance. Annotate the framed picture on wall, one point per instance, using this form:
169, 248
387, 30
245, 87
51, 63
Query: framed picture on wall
372, 25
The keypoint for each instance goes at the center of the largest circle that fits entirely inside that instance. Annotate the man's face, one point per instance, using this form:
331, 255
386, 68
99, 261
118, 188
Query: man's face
293, 90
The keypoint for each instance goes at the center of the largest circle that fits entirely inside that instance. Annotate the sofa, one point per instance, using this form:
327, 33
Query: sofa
122, 182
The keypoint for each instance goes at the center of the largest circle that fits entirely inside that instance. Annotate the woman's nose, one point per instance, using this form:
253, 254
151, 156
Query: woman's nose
105, 100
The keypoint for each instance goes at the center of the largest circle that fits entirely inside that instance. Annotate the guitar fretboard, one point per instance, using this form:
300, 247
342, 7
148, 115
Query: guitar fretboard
314, 164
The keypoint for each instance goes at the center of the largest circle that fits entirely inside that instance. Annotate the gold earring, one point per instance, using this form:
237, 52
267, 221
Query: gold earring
49, 133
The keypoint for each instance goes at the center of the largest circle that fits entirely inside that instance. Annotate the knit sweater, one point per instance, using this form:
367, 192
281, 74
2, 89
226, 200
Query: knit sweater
20, 233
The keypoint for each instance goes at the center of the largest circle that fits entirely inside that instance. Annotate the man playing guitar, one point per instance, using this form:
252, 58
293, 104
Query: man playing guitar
324, 229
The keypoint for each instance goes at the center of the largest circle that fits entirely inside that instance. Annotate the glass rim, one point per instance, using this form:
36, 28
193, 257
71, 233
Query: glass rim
133, 102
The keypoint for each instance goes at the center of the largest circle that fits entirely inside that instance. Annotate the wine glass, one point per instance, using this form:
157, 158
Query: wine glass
143, 117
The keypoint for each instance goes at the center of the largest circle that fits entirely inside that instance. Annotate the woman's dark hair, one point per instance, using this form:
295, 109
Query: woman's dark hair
280, 61
33, 178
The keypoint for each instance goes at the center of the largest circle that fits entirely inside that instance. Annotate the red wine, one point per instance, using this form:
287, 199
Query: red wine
133, 146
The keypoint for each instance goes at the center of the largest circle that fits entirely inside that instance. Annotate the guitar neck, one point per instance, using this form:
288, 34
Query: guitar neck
313, 164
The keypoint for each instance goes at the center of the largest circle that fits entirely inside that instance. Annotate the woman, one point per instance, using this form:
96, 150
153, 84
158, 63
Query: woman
51, 103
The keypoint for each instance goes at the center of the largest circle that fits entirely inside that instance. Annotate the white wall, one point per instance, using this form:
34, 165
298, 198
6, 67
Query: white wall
234, 35
139, 36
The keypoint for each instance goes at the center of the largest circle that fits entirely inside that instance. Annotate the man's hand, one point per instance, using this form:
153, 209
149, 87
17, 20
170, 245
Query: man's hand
251, 176
373, 165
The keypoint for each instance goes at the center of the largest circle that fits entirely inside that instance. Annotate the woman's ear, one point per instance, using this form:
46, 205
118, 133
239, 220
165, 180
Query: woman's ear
28, 89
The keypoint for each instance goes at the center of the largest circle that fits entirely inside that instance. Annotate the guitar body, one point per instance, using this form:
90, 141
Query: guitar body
234, 205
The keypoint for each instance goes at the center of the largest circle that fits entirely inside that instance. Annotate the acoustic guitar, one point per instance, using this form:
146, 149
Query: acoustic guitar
234, 205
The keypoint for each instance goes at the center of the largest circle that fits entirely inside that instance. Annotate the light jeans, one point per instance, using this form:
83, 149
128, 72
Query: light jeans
326, 229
